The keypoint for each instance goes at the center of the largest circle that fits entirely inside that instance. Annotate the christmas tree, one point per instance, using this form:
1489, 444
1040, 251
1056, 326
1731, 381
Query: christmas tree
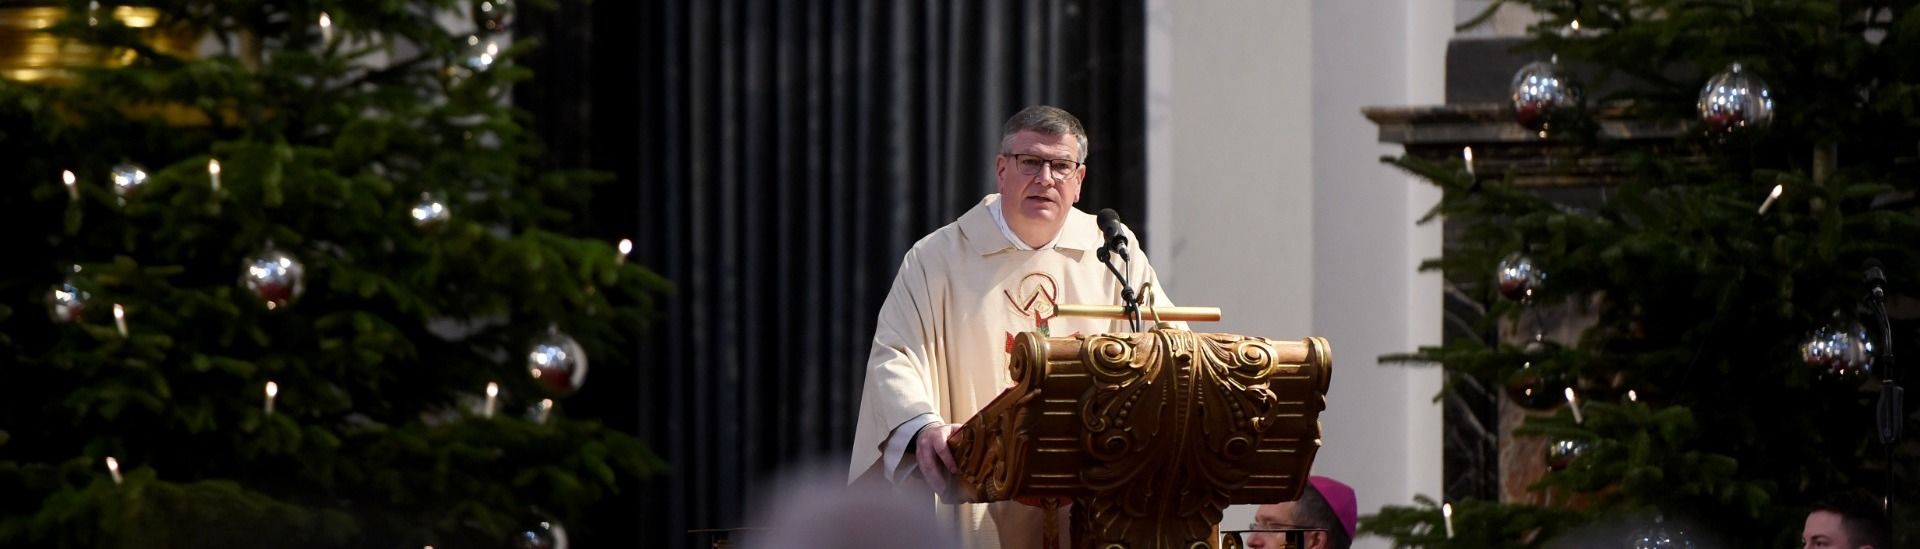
293, 275
1727, 357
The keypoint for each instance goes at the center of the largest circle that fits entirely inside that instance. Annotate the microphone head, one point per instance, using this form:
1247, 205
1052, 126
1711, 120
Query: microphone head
1875, 275
1109, 222
1110, 230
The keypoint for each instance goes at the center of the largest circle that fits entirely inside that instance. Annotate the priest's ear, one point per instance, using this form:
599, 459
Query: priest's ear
1318, 539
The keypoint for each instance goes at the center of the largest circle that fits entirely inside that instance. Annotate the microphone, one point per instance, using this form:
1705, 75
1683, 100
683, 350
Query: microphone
1876, 278
1110, 228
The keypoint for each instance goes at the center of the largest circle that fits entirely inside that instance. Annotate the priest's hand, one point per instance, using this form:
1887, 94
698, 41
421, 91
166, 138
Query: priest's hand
936, 461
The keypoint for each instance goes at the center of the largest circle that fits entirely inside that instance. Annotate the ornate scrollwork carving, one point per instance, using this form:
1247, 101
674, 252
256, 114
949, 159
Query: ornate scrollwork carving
1152, 434
1144, 419
988, 451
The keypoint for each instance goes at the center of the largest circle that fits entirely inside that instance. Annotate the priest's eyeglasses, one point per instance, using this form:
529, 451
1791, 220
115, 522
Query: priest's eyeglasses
1030, 165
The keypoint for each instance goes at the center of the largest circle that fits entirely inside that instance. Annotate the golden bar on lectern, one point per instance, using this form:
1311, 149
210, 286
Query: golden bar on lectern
1152, 434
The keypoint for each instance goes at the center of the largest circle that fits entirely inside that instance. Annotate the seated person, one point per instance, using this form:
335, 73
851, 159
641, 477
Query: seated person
1325, 504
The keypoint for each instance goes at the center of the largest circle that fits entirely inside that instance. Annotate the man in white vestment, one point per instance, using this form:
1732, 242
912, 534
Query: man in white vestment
940, 350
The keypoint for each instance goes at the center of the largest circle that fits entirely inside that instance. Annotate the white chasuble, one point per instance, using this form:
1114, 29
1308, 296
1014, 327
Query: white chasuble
944, 333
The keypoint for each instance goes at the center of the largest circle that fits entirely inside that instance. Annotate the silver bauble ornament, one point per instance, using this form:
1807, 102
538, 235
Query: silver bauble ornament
1540, 92
127, 180
480, 53
545, 535
558, 363
67, 302
493, 15
1517, 277
1735, 102
1561, 453
430, 210
1841, 349
1533, 387
1660, 536
275, 277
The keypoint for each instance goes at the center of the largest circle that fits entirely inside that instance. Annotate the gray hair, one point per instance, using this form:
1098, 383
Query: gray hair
1313, 511
1044, 120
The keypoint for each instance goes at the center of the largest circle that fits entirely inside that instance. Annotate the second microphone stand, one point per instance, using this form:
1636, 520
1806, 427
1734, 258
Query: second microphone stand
1129, 299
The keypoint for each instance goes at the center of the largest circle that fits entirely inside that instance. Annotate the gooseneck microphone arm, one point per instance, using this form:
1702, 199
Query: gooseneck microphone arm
1113, 244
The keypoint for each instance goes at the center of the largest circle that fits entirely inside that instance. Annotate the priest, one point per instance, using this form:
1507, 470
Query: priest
941, 347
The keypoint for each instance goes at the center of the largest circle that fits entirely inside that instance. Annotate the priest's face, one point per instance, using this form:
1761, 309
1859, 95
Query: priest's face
1039, 178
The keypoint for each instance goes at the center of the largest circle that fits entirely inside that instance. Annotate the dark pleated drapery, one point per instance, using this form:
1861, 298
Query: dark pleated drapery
774, 159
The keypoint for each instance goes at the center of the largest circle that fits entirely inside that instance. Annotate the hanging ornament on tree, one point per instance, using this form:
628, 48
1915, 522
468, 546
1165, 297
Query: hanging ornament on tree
1536, 391
1539, 93
66, 302
1735, 102
1561, 453
493, 15
127, 178
1660, 536
274, 276
558, 363
480, 53
1532, 387
545, 535
430, 210
1517, 276
1842, 349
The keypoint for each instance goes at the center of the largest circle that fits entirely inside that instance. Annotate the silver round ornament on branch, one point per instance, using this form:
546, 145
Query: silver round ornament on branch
430, 210
493, 15
1533, 390
1735, 102
1533, 387
67, 303
480, 53
1517, 277
1540, 93
127, 178
1842, 349
545, 535
275, 277
1562, 453
476, 54
1660, 535
558, 362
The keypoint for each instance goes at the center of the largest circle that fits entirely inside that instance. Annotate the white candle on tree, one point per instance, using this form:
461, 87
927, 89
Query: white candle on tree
493, 396
273, 391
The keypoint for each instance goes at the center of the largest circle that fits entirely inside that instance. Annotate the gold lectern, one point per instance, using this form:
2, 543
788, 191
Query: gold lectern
1150, 434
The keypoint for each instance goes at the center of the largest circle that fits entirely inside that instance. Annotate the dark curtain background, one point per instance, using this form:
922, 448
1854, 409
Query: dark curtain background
774, 160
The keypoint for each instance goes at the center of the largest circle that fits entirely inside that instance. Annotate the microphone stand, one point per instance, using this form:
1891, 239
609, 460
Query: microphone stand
1128, 299
1889, 414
